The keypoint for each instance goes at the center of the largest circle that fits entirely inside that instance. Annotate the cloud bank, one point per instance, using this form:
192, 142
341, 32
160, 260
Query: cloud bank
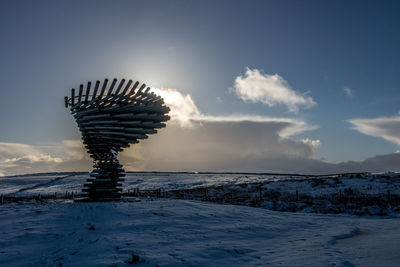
271, 90
191, 141
217, 146
185, 152
194, 141
68, 155
386, 128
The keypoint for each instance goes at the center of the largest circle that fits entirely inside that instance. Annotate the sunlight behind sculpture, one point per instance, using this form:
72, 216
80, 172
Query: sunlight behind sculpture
110, 118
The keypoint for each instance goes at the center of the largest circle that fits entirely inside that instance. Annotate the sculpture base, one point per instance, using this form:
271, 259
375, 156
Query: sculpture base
104, 184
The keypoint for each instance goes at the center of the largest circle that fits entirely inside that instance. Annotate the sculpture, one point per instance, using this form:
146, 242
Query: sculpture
110, 119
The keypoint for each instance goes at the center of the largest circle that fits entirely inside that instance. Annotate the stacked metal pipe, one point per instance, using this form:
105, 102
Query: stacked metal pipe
110, 118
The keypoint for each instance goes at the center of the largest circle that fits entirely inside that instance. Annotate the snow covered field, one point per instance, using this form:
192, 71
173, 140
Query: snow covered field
189, 233
168, 232
361, 194
33, 184
50, 183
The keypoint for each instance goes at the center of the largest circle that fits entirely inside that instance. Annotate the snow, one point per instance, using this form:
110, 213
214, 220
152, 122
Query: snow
360, 194
61, 182
182, 233
168, 232
51, 183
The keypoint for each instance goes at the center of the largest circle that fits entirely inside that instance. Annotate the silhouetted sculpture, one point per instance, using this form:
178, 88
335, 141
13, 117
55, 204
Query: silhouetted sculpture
111, 118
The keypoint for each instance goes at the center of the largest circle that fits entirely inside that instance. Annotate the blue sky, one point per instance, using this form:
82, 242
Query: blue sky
344, 55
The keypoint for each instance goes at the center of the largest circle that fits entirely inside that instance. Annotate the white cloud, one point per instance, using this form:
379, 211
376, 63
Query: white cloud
14, 152
67, 155
185, 112
314, 144
183, 108
271, 90
349, 92
22, 158
386, 128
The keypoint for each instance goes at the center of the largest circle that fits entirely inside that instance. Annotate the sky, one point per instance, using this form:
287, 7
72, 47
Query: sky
290, 86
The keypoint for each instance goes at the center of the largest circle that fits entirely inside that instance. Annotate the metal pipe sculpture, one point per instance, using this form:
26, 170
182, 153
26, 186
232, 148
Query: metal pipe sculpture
110, 119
